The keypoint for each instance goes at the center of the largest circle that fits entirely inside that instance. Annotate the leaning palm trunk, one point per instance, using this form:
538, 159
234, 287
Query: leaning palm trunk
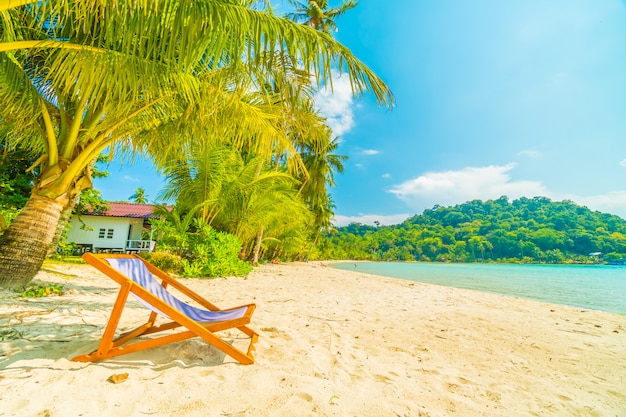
63, 220
24, 245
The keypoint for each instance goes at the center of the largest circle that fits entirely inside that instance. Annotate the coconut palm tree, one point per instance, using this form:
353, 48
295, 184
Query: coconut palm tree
258, 204
78, 78
245, 197
139, 197
317, 13
321, 163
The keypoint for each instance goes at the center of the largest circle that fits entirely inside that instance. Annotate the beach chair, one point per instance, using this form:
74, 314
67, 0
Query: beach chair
139, 278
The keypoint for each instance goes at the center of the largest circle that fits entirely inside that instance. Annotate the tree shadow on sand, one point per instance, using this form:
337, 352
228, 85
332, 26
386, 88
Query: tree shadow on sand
59, 328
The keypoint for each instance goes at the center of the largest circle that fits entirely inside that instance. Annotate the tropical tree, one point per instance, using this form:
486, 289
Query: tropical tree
321, 163
260, 204
248, 198
78, 78
318, 14
252, 196
139, 197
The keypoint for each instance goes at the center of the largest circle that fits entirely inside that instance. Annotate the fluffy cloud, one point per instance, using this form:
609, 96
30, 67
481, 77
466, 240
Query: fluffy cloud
370, 152
455, 187
491, 182
613, 202
482, 183
383, 220
336, 105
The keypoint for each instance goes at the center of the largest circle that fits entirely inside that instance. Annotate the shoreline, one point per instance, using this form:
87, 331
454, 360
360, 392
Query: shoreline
332, 343
593, 287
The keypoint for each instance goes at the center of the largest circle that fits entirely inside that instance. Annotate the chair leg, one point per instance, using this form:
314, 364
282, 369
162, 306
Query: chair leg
107, 342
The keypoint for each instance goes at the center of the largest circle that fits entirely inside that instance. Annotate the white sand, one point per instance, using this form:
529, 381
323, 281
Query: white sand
332, 343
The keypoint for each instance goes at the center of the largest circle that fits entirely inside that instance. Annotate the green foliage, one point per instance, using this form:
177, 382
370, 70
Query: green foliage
525, 230
241, 195
214, 254
202, 251
40, 289
139, 197
67, 259
10, 334
7, 215
166, 261
91, 201
16, 182
319, 14
66, 248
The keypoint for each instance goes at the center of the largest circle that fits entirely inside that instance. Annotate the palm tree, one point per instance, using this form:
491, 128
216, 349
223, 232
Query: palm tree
139, 197
260, 203
217, 178
318, 15
245, 197
321, 162
310, 137
78, 78
195, 181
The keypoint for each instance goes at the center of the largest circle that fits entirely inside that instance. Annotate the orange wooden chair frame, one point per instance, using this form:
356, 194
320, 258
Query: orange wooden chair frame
111, 347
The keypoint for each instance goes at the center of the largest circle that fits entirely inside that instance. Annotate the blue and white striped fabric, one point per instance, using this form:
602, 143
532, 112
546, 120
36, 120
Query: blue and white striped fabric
136, 270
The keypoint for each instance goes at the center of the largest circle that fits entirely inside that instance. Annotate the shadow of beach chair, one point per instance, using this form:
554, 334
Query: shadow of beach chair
139, 278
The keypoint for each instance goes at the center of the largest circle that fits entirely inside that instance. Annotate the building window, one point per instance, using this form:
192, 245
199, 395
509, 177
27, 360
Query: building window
105, 232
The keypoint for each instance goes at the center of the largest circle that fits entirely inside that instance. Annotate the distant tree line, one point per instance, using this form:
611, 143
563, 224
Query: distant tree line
527, 230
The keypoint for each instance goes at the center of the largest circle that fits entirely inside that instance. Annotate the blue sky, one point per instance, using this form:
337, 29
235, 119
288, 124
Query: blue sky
494, 98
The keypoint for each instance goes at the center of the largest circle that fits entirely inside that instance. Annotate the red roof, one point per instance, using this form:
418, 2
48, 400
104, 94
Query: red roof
142, 211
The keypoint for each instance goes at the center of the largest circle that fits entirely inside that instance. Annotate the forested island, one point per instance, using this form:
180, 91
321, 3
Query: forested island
526, 230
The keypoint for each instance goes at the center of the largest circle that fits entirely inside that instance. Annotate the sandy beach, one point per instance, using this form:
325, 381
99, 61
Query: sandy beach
332, 343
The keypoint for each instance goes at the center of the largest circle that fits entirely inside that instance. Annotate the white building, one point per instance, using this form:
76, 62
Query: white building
117, 230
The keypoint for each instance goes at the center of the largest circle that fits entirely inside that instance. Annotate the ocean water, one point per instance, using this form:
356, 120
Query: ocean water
597, 287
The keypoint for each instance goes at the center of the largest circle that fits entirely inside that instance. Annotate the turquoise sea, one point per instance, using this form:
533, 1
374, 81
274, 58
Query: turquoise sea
597, 287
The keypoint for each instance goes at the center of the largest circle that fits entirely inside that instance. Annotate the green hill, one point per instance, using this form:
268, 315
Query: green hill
525, 230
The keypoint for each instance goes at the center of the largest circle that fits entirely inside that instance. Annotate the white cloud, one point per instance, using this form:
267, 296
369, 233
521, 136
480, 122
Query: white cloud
491, 182
613, 202
131, 179
482, 183
530, 154
336, 105
623, 162
370, 152
387, 175
456, 187
383, 220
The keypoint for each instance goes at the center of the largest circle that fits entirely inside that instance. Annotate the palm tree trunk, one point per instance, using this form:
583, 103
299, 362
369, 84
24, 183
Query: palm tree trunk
256, 251
63, 220
24, 245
